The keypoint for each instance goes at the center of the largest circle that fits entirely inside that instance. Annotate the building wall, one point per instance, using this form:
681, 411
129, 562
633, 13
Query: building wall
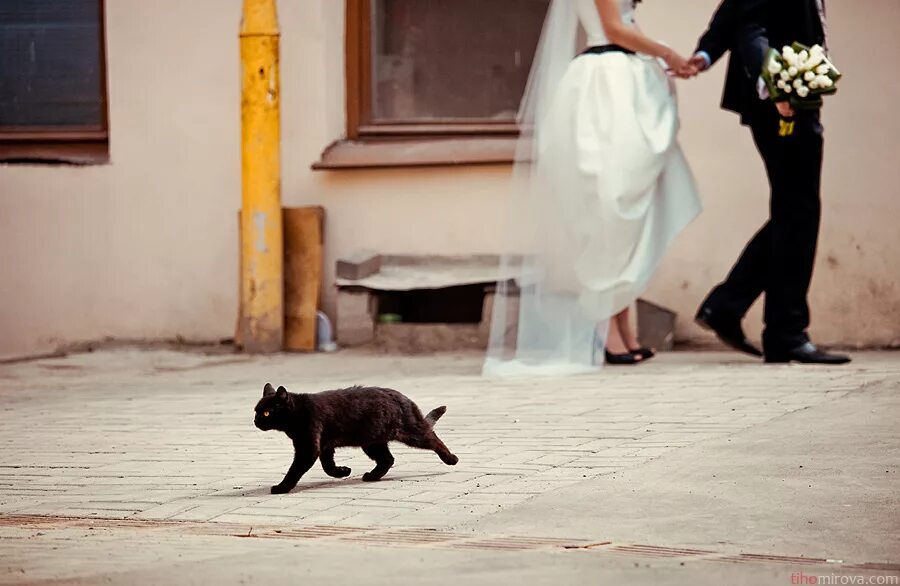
146, 247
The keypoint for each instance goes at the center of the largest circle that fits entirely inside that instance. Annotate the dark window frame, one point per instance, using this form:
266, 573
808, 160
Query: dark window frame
404, 144
70, 144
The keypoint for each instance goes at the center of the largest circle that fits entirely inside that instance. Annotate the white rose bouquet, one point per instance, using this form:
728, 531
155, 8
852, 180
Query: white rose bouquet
801, 74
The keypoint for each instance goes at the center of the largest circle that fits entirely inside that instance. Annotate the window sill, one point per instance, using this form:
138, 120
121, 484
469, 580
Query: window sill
417, 152
55, 153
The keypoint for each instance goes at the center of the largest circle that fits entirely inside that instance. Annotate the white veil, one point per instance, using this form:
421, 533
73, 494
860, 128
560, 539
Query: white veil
544, 319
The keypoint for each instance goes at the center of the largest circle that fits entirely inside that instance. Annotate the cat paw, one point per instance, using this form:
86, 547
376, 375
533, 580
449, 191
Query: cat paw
281, 489
339, 472
450, 460
369, 477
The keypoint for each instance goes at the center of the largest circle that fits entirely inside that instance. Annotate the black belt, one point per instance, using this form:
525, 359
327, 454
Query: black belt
601, 49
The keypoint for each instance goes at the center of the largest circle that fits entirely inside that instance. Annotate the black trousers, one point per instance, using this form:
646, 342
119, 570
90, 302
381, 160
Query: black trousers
779, 259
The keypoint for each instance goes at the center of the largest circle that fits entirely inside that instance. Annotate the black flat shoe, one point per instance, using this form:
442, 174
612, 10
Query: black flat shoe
645, 353
728, 330
621, 359
806, 353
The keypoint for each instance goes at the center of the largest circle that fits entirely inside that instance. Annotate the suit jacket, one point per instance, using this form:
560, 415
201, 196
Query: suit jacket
747, 28
721, 36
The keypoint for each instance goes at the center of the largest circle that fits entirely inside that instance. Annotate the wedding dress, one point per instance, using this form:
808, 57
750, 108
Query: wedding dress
600, 190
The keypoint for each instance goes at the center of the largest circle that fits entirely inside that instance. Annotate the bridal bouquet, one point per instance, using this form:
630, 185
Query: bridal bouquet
802, 74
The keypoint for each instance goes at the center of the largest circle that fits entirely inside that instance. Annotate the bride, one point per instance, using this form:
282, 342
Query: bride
600, 190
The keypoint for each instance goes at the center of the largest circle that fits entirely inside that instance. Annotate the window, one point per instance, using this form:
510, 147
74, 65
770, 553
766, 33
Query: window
52, 81
436, 81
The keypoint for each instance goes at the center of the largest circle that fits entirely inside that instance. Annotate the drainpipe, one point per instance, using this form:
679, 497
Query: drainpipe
261, 320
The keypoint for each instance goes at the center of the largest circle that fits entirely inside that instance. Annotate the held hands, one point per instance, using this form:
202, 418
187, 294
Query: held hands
676, 62
685, 68
695, 66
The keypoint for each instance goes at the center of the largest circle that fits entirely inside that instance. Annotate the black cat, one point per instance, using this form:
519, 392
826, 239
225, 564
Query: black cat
366, 417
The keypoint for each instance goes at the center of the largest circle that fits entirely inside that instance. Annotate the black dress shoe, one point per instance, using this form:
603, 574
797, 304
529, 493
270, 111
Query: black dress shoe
645, 353
626, 359
806, 353
727, 329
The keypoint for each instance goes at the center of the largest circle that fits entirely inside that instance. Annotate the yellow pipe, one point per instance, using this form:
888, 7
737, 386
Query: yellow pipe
261, 323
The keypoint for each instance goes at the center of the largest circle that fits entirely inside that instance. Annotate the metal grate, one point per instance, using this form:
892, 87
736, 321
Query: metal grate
435, 538
758, 558
657, 551
513, 543
409, 537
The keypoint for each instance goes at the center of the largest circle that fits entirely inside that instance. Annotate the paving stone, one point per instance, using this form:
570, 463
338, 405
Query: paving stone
169, 436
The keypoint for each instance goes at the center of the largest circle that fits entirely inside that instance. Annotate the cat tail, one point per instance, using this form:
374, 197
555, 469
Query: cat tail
435, 414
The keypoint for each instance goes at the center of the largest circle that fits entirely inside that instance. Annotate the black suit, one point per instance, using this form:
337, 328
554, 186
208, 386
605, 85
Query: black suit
779, 259
747, 28
722, 37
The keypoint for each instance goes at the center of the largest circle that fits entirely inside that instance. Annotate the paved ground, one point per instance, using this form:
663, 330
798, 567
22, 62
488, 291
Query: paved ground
144, 468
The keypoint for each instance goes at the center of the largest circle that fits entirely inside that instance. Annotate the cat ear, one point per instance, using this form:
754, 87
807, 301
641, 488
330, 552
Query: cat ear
282, 393
268, 390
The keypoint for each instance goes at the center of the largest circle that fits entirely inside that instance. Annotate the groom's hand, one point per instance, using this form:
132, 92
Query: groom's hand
694, 66
785, 109
699, 63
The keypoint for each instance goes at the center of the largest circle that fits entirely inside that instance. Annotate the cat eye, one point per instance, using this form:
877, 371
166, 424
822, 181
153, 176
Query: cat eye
265, 413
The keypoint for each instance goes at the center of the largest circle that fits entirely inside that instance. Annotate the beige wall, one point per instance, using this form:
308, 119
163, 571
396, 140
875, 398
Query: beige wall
146, 247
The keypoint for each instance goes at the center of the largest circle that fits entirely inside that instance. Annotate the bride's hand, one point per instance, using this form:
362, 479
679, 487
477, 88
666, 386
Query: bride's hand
677, 64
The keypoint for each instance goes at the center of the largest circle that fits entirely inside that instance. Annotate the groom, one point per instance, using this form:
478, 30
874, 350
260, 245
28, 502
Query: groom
779, 259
